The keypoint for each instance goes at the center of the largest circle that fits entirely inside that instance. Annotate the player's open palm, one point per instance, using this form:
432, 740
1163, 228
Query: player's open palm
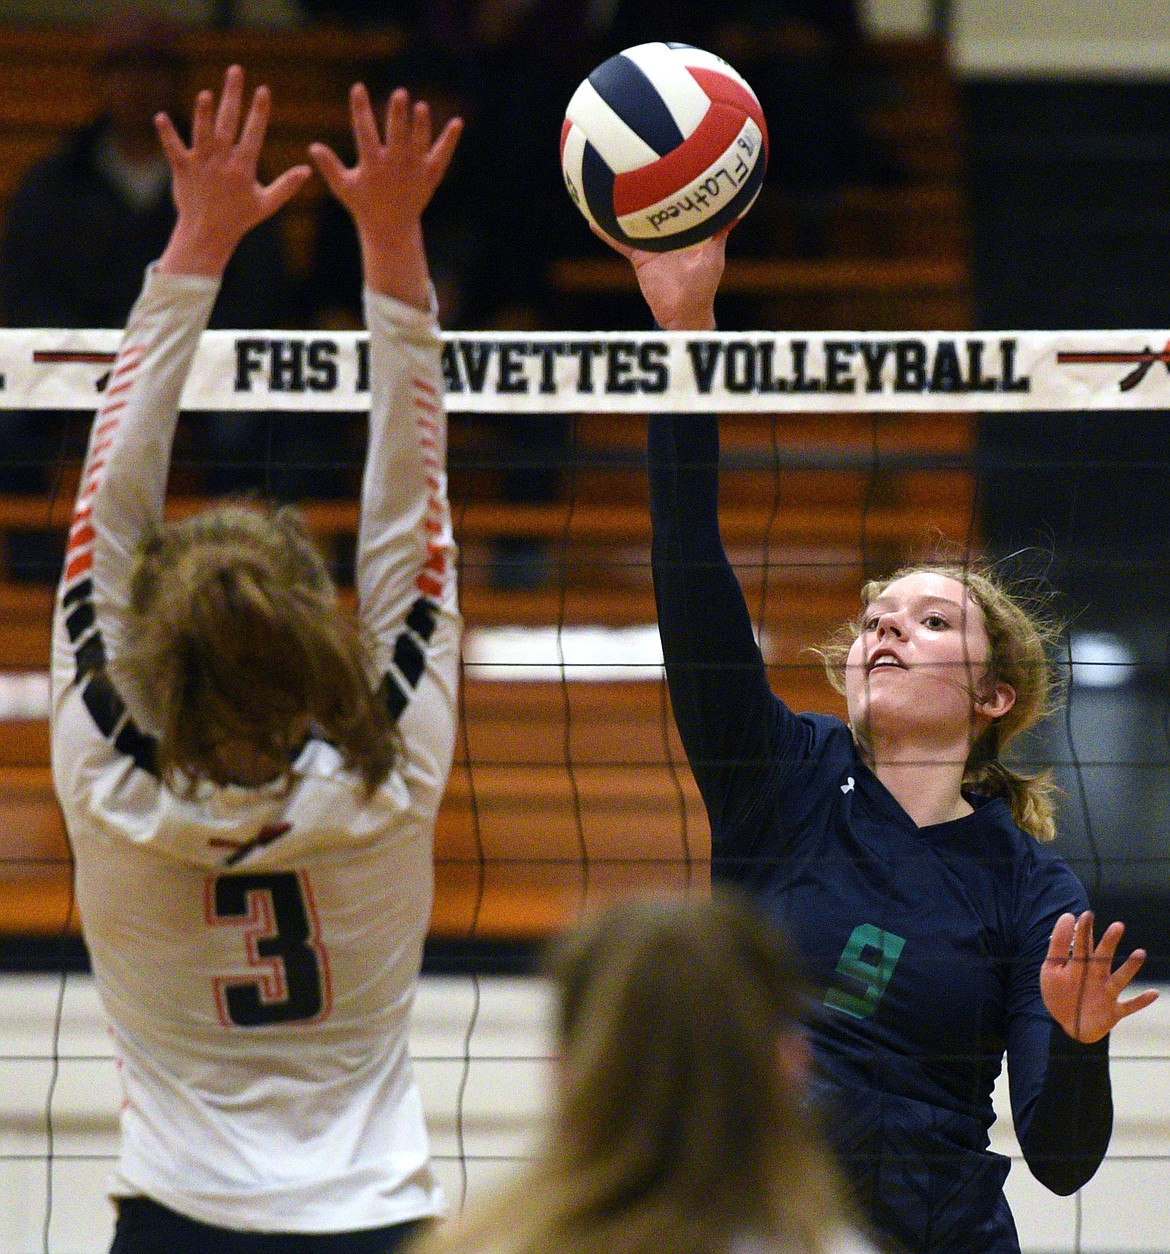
214, 180
1080, 988
396, 176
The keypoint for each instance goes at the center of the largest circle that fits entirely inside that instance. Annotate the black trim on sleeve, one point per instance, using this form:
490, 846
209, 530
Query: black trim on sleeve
422, 619
82, 591
409, 658
394, 696
90, 656
101, 699
139, 746
80, 619
105, 707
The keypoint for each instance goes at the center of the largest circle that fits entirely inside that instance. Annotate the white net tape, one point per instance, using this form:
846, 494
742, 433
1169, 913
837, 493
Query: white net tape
616, 372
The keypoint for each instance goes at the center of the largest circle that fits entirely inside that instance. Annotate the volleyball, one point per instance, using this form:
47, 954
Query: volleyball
663, 145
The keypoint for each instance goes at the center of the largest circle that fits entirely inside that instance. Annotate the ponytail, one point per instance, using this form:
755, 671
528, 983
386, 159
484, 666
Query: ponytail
1030, 797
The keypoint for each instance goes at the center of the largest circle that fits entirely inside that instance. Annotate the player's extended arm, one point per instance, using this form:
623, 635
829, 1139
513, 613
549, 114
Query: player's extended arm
405, 546
1058, 1058
718, 685
218, 200
722, 703
406, 552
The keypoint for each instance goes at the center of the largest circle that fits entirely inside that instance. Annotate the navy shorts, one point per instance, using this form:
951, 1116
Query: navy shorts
145, 1227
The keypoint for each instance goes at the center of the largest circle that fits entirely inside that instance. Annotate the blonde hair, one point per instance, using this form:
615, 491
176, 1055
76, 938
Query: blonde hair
1022, 634
235, 638
676, 1128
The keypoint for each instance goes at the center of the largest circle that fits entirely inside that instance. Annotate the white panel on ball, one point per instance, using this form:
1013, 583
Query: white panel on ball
619, 147
687, 101
571, 157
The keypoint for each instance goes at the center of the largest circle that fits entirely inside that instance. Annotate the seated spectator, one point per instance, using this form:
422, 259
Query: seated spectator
80, 231
479, 54
680, 1118
87, 220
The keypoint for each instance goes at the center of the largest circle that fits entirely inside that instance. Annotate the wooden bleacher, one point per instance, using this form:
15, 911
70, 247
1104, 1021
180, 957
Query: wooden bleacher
565, 791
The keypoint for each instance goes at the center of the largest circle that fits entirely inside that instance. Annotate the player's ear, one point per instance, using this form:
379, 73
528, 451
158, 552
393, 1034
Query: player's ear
997, 704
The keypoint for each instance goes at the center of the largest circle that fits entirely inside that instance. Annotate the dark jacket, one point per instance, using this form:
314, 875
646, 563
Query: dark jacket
74, 250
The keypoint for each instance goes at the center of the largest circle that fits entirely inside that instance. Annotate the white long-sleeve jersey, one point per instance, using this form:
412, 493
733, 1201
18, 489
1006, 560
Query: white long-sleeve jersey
257, 949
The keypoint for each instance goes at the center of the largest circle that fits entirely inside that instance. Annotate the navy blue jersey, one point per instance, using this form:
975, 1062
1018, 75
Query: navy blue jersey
923, 945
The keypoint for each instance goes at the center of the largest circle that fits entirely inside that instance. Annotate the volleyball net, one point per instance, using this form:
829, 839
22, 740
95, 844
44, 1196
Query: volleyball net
844, 454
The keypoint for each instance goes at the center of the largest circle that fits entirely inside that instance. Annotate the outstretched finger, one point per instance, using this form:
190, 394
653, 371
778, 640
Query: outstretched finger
1128, 969
421, 129
1138, 1002
256, 124
443, 149
365, 129
329, 166
227, 116
1106, 950
1060, 946
713, 247
1082, 943
173, 147
202, 120
398, 117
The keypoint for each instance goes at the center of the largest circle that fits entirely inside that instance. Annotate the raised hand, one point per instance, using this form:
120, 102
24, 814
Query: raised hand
214, 183
388, 188
679, 286
1080, 988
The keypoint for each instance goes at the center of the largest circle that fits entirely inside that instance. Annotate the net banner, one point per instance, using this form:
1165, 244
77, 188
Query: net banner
618, 372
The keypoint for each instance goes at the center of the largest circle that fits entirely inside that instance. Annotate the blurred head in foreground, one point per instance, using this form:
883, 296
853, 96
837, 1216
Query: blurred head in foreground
679, 1118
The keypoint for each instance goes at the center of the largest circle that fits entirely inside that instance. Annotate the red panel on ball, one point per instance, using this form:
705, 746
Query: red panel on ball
566, 127
661, 179
727, 91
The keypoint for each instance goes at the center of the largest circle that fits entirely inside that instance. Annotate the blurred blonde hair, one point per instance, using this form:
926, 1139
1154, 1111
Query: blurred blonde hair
676, 1128
1022, 634
235, 638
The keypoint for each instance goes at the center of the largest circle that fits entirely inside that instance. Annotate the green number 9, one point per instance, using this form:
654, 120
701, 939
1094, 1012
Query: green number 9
869, 960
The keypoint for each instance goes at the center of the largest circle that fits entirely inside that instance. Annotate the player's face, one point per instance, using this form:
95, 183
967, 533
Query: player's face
920, 663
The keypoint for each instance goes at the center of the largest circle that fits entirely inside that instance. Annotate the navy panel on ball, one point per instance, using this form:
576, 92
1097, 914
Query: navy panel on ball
634, 98
597, 184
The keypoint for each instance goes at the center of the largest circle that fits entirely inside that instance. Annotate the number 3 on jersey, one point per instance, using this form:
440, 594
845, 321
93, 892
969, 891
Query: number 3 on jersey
275, 911
865, 970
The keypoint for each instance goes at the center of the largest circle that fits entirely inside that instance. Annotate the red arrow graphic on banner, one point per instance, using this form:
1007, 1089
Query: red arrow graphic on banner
1144, 360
